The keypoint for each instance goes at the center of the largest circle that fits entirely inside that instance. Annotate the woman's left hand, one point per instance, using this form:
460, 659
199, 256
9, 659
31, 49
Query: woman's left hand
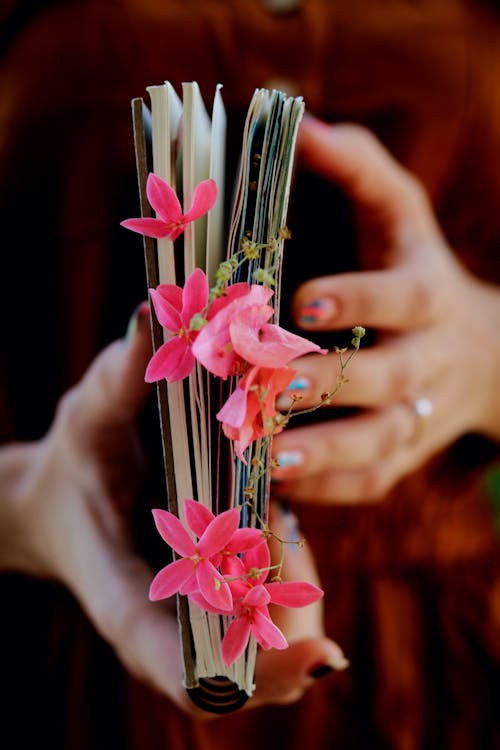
434, 370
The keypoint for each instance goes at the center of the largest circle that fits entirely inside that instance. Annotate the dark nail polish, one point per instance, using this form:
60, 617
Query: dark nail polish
322, 670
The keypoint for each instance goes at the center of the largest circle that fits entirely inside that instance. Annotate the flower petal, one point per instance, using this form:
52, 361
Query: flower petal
258, 558
173, 532
194, 295
233, 412
232, 292
167, 302
204, 197
294, 593
213, 346
200, 600
243, 540
218, 532
198, 516
235, 640
213, 586
266, 633
257, 596
163, 199
173, 361
266, 344
232, 567
170, 579
147, 226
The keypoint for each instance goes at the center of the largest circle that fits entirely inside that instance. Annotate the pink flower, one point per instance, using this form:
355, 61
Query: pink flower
250, 410
195, 571
266, 344
214, 347
238, 333
251, 597
251, 618
171, 222
253, 569
174, 309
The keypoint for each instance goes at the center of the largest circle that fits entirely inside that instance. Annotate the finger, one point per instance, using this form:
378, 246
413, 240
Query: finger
113, 390
284, 676
393, 299
391, 371
349, 443
369, 482
351, 156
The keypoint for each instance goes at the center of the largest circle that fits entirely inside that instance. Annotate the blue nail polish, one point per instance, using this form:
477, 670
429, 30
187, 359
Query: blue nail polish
287, 459
299, 384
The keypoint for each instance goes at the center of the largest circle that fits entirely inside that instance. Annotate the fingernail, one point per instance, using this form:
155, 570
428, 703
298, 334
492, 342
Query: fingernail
140, 313
298, 387
336, 663
318, 311
322, 670
287, 460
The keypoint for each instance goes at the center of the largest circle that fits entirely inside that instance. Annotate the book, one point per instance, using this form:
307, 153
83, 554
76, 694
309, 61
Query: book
184, 147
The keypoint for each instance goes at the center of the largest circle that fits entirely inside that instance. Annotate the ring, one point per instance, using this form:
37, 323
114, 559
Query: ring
421, 408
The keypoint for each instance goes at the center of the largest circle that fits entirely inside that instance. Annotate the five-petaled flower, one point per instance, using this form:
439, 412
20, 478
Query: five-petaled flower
196, 574
170, 221
195, 569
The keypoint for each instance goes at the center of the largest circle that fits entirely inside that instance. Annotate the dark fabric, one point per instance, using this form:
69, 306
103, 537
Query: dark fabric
412, 585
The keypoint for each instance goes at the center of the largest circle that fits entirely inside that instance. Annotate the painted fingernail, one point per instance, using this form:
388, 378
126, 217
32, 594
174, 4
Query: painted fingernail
288, 460
336, 663
140, 313
322, 670
318, 312
299, 383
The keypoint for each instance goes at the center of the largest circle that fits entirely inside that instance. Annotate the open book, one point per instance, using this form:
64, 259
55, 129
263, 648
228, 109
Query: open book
207, 460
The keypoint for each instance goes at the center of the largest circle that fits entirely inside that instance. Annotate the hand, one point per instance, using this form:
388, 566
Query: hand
65, 515
437, 335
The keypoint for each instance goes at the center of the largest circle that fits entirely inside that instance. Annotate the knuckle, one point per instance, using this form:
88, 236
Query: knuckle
423, 299
403, 378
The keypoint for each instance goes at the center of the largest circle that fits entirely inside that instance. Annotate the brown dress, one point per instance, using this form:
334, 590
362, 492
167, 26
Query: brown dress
413, 584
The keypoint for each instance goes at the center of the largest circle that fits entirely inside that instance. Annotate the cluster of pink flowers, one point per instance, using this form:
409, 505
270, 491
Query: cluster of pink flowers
225, 571
230, 336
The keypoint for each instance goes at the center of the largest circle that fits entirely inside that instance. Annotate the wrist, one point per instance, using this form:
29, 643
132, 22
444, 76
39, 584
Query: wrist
16, 463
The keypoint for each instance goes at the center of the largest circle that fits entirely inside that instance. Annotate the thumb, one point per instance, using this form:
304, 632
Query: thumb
284, 676
113, 390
